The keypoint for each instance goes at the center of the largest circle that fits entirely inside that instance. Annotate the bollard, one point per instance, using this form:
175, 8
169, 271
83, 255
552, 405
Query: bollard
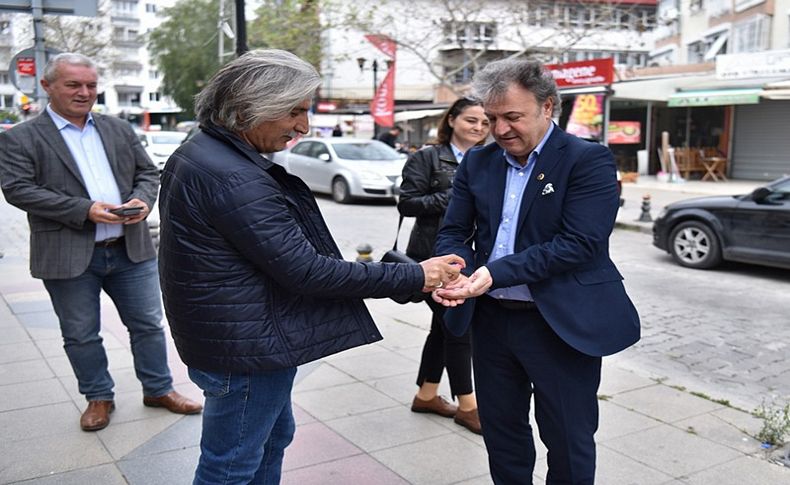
363, 253
645, 215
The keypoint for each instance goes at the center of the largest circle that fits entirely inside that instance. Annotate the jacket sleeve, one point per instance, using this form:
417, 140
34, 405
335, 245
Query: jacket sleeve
588, 216
256, 219
21, 188
416, 198
454, 235
146, 176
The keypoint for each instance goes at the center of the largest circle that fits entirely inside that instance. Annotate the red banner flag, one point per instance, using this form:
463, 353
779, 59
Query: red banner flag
383, 43
383, 104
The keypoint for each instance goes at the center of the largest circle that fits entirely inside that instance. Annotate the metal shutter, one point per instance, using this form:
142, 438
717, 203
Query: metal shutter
761, 142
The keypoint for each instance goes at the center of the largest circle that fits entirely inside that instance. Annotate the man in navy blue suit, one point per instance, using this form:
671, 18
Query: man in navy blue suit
545, 301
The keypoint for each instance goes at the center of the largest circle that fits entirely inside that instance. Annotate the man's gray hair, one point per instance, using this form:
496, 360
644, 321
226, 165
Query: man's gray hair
70, 58
494, 80
261, 85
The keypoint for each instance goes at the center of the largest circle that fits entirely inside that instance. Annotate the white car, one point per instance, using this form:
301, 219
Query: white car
346, 168
160, 145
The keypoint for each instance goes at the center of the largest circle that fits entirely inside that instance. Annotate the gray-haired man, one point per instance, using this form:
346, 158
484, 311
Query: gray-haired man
253, 282
87, 186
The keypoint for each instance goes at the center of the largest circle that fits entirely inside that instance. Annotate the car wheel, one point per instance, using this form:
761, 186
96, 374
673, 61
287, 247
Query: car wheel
340, 192
694, 244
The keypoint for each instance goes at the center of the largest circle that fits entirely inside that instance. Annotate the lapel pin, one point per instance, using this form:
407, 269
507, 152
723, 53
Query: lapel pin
540, 176
547, 189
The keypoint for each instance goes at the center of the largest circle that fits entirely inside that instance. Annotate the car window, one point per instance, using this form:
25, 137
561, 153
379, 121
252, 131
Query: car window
780, 191
365, 150
302, 148
318, 150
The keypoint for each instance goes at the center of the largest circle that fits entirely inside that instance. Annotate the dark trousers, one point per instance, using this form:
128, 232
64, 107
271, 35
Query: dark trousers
444, 350
517, 355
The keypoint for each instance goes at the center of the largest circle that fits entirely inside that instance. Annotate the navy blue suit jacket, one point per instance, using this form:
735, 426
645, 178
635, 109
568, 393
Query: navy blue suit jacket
562, 244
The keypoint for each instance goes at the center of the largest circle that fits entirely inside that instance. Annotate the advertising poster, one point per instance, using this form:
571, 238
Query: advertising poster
624, 132
586, 120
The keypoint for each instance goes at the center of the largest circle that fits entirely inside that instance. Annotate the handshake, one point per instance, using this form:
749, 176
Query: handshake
448, 286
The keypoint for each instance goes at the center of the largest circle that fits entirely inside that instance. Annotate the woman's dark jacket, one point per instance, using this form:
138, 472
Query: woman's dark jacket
251, 277
424, 194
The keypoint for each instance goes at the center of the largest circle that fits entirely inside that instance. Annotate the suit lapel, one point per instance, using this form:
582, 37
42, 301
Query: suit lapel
547, 160
108, 144
496, 191
52, 137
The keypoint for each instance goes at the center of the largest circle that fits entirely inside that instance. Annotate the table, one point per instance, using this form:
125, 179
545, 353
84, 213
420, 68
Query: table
715, 168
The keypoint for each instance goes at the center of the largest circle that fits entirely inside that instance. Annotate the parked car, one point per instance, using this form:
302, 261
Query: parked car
160, 145
346, 168
752, 228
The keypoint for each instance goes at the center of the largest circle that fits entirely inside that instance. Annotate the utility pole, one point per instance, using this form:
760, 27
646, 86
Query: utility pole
241, 29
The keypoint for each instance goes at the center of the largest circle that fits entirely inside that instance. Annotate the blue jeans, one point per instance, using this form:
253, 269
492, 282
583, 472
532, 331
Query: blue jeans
134, 288
247, 424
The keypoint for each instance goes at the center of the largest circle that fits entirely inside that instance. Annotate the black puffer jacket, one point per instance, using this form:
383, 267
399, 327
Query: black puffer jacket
424, 194
251, 277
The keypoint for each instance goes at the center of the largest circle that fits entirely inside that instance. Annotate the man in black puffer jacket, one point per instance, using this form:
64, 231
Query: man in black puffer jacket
253, 283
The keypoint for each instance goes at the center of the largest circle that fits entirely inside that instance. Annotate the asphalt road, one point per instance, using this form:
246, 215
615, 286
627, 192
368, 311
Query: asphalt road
723, 333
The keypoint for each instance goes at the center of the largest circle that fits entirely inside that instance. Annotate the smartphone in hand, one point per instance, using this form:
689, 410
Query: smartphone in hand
127, 211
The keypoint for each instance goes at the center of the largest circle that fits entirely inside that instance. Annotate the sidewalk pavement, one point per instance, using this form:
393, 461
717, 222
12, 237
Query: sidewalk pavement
352, 409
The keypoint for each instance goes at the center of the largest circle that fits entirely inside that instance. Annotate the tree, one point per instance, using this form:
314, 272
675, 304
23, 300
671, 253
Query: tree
455, 38
184, 46
292, 25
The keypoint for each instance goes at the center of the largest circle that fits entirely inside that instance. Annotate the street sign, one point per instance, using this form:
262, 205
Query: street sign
83, 8
22, 69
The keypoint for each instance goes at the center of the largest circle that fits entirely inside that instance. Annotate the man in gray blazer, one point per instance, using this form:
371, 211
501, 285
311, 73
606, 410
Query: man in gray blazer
87, 186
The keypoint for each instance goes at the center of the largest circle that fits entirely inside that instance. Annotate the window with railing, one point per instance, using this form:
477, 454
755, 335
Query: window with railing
124, 8
464, 33
751, 35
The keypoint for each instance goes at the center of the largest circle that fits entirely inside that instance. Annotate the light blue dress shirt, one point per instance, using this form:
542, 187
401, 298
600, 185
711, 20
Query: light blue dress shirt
86, 147
459, 155
505, 242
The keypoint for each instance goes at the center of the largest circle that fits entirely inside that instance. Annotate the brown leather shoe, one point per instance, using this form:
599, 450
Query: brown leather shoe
97, 415
173, 402
469, 420
437, 405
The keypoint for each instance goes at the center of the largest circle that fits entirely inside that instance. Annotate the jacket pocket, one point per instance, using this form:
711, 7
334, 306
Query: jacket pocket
598, 276
213, 384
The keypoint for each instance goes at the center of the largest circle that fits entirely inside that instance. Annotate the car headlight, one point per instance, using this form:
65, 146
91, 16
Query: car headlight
369, 176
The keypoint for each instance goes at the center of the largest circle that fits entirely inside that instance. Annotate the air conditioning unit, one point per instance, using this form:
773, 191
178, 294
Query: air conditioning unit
670, 14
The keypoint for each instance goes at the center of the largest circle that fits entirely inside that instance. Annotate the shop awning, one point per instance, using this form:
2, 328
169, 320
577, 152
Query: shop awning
416, 114
716, 97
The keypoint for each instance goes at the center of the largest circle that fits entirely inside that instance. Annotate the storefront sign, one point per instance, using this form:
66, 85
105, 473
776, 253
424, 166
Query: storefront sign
753, 64
325, 107
624, 132
721, 97
586, 120
583, 73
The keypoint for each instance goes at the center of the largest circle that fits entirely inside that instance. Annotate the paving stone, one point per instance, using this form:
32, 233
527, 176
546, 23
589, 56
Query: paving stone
665, 403
14, 334
719, 431
374, 365
441, 460
386, 428
674, 452
620, 469
359, 469
46, 420
325, 375
615, 421
18, 352
122, 438
317, 443
28, 302
47, 455
343, 400
176, 467
615, 379
403, 387
30, 394
744, 470
102, 474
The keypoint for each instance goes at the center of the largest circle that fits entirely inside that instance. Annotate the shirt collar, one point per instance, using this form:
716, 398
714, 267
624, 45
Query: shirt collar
512, 160
61, 122
457, 152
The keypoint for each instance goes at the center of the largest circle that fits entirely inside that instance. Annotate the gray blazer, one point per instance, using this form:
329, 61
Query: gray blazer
40, 176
